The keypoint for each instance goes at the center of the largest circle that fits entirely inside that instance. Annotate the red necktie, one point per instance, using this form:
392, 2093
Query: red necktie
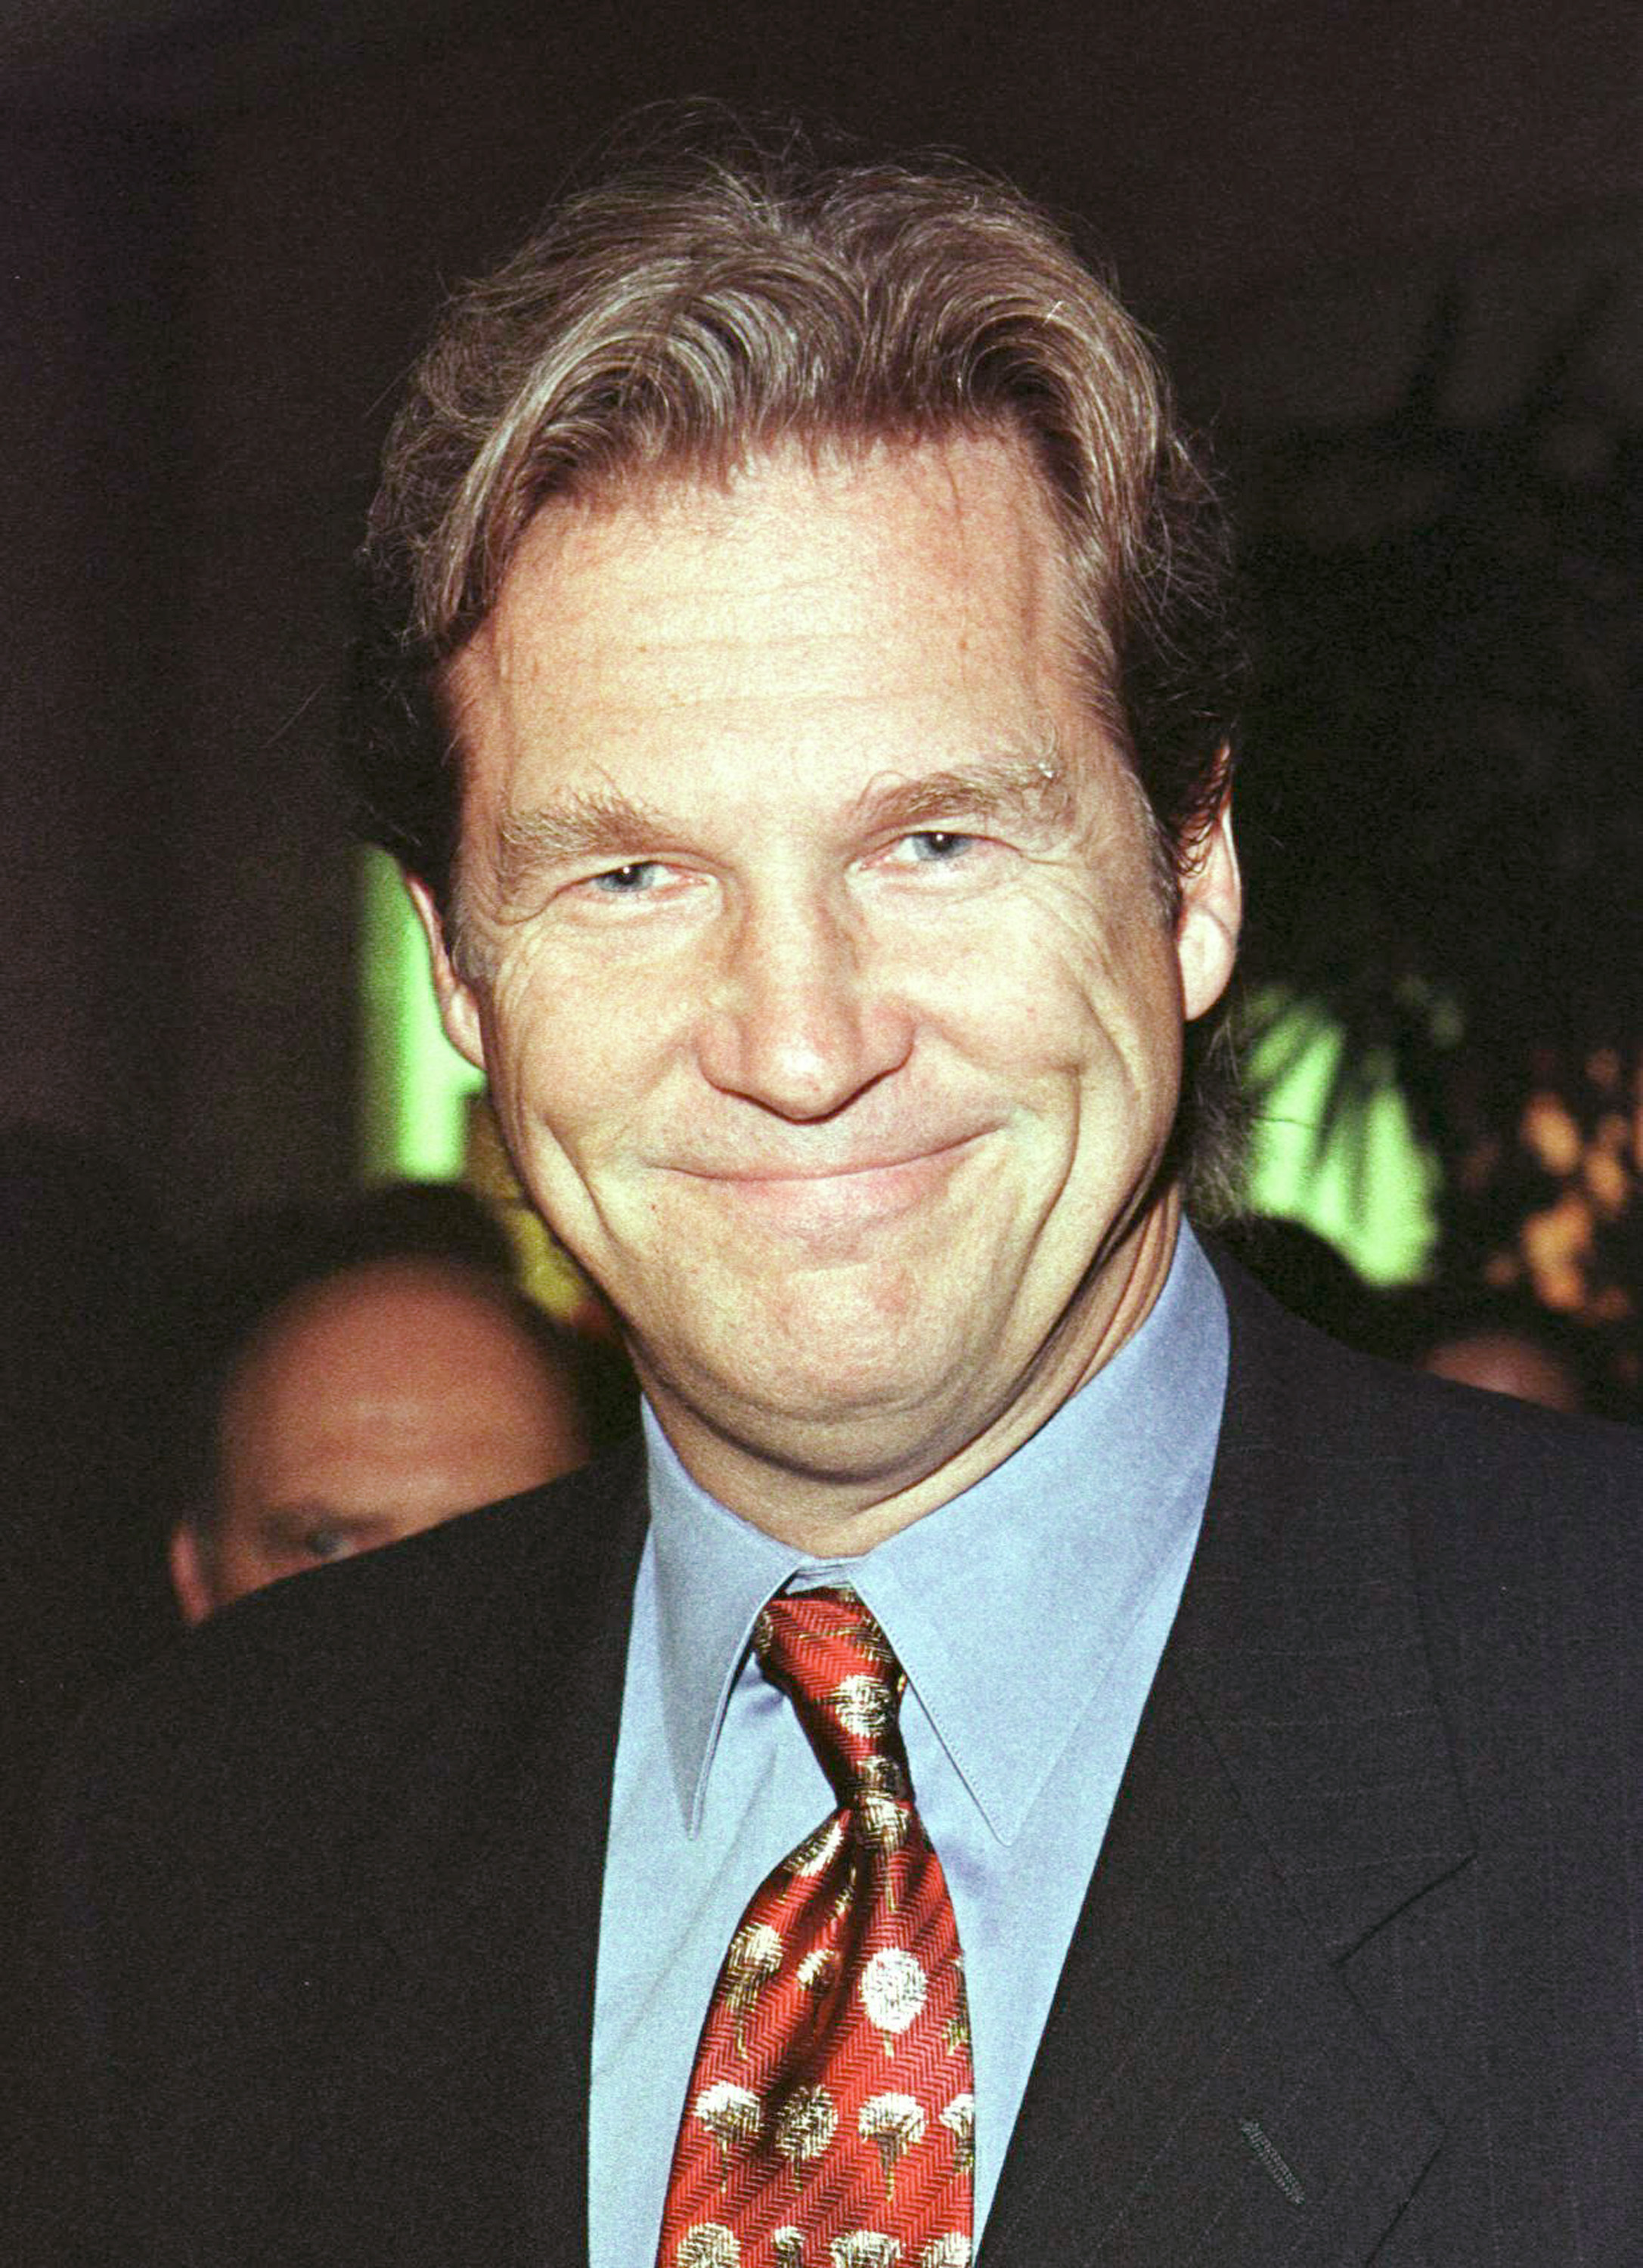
830, 2122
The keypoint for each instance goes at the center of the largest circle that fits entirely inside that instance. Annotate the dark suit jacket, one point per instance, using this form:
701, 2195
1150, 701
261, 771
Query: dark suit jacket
1357, 1978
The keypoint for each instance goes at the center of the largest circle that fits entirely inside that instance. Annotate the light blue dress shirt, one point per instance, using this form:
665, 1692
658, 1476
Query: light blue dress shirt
1028, 1614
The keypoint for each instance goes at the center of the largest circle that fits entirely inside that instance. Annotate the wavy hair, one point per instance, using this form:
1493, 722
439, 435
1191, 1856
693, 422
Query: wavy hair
692, 311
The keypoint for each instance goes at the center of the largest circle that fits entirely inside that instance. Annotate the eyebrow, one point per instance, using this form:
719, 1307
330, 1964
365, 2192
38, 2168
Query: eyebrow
586, 823
1034, 787
606, 823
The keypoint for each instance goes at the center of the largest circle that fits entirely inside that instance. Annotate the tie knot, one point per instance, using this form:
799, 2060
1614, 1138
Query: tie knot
827, 1652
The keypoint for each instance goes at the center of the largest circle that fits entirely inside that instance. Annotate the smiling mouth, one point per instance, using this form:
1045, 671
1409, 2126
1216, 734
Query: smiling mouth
813, 1200
778, 1176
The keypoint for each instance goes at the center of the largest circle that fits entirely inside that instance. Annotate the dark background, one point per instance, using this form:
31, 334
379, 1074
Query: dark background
223, 231
1395, 249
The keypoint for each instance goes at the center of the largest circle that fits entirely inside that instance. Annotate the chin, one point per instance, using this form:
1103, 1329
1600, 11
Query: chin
842, 1408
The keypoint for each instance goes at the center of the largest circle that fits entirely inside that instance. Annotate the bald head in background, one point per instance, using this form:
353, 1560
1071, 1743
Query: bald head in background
1508, 1362
367, 1406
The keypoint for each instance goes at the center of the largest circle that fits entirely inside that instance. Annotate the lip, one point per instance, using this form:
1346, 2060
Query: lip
861, 1192
776, 1173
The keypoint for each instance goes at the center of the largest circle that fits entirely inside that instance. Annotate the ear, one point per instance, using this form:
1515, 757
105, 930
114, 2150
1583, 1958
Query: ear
1211, 910
458, 1007
189, 1577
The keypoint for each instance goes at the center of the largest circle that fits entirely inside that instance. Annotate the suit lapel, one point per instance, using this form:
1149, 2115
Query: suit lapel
1220, 2079
474, 1981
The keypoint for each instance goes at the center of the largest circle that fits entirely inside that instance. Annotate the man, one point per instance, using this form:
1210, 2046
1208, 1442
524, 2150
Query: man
366, 1405
798, 694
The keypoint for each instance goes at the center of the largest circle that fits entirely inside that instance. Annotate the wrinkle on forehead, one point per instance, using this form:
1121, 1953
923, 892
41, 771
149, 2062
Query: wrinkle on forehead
720, 513
578, 609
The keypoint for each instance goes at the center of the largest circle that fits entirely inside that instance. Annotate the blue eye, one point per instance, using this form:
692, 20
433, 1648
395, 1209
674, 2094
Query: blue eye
627, 881
932, 846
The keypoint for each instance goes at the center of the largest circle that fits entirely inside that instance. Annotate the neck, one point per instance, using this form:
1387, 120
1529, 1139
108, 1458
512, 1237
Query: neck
840, 1513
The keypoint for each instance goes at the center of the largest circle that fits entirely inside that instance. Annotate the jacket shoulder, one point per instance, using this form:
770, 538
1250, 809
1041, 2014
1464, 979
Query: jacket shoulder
303, 1702
1488, 1452
1520, 1527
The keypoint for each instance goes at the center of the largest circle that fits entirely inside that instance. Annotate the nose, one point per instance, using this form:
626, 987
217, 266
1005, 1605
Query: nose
801, 1019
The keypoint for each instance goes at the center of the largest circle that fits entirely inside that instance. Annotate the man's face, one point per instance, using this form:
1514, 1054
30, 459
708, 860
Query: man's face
375, 1403
816, 961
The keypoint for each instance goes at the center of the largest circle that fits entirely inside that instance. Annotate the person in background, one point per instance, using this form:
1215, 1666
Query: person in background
1037, 1749
386, 1396
1516, 1362
1503, 1342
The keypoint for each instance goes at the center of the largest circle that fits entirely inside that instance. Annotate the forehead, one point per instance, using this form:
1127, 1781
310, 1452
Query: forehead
914, 580
393, 1345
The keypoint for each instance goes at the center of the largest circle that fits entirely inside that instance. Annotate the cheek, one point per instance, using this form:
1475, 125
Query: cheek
1064, 994
575, 1054
1120, 962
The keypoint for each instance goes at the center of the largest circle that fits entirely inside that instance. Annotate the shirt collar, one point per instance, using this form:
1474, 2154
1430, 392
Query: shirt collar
1005, 1607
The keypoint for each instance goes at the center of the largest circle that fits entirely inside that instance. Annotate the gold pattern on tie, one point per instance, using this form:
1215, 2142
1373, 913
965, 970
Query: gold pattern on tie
831, 2116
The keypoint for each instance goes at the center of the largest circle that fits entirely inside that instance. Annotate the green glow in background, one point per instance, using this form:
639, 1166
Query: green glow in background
413, 1085
1371, 1190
